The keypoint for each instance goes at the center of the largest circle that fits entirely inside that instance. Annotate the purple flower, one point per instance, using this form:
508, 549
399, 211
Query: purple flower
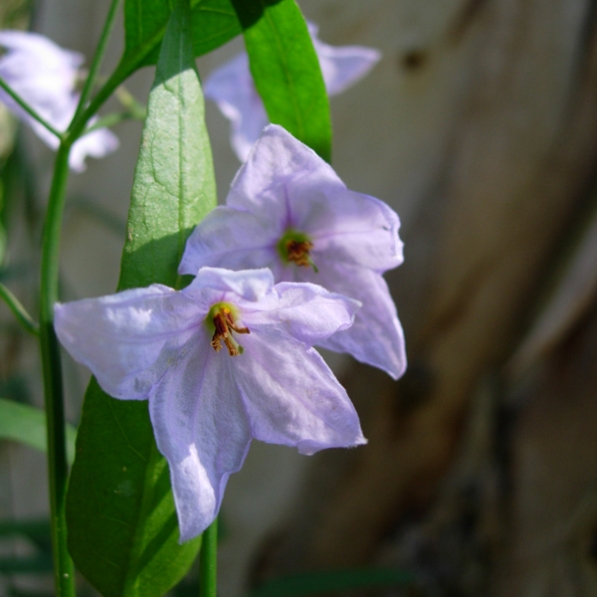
288, 210
44, 75
232, 88
223, 361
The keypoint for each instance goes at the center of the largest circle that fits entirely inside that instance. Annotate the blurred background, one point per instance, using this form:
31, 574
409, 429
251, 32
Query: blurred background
479, 126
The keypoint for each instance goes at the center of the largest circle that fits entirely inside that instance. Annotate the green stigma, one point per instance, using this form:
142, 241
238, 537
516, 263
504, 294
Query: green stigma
221, 320
294, 247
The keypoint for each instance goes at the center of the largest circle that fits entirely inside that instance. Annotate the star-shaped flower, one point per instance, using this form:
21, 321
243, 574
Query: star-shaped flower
223, 361
288, 210
232, 88
44, 75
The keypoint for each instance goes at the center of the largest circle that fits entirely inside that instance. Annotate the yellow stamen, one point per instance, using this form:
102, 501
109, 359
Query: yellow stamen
298, 252
223, 322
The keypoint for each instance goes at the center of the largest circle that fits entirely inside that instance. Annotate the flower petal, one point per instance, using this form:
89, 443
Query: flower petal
233, 239
343, 66
291, 396
232, 88
128, 340
44, 75
213, 285
307, 312
203, 431
289, 184
348, 227
276, 161
97, 144
376, 336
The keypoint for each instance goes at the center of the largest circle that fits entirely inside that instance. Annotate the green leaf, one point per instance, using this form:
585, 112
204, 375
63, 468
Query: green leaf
123, 532
213, 23
36, 530
39, 564
286, 70
27, 425
334, 581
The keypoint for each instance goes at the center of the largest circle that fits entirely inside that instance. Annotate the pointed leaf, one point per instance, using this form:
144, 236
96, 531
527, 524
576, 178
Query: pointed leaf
123, 532
213, 23
286, 70
27, 425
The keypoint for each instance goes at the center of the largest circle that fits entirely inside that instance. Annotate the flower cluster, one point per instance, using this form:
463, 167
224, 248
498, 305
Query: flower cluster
45, 76
232, 88
231, 357
292, 261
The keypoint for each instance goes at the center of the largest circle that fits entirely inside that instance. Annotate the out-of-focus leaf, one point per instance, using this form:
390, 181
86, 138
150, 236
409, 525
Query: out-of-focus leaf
37, 531
573, 292
286, 70
129, 545
27, 425
318, 583
39, 564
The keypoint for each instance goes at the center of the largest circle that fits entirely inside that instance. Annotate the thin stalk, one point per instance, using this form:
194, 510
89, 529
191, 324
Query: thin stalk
97, 59
208, 559
52, 374
17, 98
110, 120
24, 319
116, 78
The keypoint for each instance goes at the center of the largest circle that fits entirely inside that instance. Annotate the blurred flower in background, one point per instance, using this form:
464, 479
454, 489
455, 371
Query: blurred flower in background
45, 76
232, 88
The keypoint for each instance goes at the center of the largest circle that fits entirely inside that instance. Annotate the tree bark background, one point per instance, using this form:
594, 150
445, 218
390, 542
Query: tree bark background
481, 476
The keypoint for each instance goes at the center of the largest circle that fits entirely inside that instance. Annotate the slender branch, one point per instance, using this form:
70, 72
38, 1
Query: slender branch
18, 311
116, 78
110, 120
52, 374
17, 98
208, 561
97, 59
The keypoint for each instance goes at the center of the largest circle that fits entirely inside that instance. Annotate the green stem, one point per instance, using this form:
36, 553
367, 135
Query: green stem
110, 120
52, 374
17, 98
208, 561
97, 59
18, 311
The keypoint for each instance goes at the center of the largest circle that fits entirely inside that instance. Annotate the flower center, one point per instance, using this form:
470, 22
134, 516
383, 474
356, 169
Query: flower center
223, 316
294, 247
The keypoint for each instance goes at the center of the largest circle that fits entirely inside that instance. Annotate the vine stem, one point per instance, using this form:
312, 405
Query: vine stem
23, 104
97, 62
18, 311
52, 374
49, 347
208, 561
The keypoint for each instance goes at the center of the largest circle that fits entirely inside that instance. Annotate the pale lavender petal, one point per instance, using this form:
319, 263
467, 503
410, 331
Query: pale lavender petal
233, 239
291, 396
44, 75
202, 429
343, 66
97, 144
232, 88
307, 312
376, 336
38, 69
349, 227
277, 162
128, 340
289, 184
213, 285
